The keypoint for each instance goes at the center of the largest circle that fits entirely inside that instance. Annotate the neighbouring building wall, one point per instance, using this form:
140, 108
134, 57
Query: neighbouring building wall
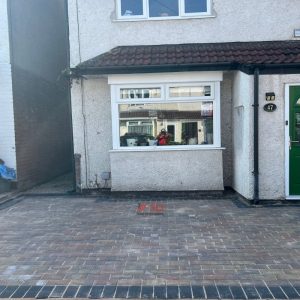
237, 20
242, 134
272, 136
7, 128
39, 54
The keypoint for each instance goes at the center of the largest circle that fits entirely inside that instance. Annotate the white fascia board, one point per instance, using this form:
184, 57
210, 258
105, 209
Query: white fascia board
146, 78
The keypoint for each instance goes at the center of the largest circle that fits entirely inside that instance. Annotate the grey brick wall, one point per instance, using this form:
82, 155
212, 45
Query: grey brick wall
39, 43
42, 129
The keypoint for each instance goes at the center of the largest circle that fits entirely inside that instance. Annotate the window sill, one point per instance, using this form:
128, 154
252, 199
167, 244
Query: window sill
162, 18
166, 148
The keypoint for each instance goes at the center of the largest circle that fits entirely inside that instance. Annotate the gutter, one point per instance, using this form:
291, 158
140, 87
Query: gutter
256, 136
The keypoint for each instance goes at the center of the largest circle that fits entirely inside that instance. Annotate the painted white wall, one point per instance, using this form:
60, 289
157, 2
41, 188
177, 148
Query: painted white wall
242, 134
7, 127
272, 133
235, 20
167, 170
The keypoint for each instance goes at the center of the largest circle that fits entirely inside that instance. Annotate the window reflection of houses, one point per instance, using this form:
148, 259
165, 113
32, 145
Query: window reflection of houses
186, 123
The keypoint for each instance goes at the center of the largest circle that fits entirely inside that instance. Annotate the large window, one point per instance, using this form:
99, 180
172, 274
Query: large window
169, 115
160, 9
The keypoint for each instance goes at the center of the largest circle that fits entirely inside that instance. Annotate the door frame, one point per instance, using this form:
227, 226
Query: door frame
287, 140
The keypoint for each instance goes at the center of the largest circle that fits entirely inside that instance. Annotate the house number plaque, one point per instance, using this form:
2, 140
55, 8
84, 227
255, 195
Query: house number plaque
270, 107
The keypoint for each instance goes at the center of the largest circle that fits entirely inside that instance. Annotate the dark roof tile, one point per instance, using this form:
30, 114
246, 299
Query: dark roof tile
270, 52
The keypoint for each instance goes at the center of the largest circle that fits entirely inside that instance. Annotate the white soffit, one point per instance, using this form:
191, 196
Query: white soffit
165, 77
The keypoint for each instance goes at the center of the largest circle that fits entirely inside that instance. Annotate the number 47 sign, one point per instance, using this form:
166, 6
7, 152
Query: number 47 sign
270, 107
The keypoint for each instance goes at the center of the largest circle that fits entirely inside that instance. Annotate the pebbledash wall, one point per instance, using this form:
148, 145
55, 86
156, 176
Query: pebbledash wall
94, 30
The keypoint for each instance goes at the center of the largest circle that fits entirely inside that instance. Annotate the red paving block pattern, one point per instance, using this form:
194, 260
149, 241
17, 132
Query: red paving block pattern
153, 208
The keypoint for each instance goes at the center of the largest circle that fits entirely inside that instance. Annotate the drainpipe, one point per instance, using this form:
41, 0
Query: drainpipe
255, 137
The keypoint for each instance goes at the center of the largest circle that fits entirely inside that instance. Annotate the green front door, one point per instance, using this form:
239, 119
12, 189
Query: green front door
294, 140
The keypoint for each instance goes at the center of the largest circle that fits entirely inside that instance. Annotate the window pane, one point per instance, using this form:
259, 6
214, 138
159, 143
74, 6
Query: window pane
166, 124
190, 91
140, 93
131, 7
195, 6
163, 8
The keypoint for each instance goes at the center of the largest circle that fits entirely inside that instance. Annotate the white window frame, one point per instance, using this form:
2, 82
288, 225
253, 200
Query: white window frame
146, 12
116, 101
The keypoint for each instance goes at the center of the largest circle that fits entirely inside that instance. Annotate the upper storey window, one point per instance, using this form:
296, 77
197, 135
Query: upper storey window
162, 9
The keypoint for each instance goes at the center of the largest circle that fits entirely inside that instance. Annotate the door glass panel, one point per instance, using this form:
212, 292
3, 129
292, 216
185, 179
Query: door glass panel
297, 129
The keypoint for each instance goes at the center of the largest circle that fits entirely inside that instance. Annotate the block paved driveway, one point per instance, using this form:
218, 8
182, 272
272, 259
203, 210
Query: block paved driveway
91, 242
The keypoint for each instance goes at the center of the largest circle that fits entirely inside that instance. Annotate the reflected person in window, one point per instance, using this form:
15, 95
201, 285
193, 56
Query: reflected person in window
163, 138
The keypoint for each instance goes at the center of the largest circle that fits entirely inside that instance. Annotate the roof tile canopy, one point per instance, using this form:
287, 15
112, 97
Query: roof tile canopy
233, 55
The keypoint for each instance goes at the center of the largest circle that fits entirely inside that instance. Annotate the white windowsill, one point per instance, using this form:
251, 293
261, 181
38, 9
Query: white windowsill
162, 18
293, 197
165, 148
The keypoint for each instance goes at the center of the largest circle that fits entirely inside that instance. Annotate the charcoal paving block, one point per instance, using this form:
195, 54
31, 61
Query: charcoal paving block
147, 292
70, 291
198, 292
33, 291
224, 292
251, 292
83, 291
109, 291
237, 292
96, 292
211, 292
8, 291
2, 288
185, 292
264, 292
160, 292
21, 291
121, 292
45, 292
290, 292
277, 292
134, 292
58, 291
172, 292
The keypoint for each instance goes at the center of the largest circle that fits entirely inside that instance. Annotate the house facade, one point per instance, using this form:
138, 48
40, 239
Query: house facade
35, 130
186, 95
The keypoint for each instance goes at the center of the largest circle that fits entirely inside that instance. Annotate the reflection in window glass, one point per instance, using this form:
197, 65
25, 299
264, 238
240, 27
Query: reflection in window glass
298, 102
140, 93
163, 8
131, 7
162, 124
190, 91
195, 6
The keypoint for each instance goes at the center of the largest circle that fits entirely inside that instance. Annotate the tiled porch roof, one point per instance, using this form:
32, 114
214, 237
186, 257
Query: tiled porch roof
237, 55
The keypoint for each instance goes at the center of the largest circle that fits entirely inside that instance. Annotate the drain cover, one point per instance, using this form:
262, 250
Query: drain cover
152, 208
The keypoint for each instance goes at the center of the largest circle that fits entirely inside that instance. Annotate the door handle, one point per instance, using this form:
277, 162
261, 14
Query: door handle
295, 141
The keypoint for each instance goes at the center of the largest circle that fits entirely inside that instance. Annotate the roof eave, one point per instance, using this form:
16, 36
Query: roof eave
291, 68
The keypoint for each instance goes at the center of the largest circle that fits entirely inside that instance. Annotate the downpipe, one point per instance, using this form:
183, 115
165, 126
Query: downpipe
256, 137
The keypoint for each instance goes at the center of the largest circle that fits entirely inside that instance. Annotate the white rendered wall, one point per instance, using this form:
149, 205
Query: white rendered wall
234, 20
7, 127
167, 170
272, 136
242, 134
92, 128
